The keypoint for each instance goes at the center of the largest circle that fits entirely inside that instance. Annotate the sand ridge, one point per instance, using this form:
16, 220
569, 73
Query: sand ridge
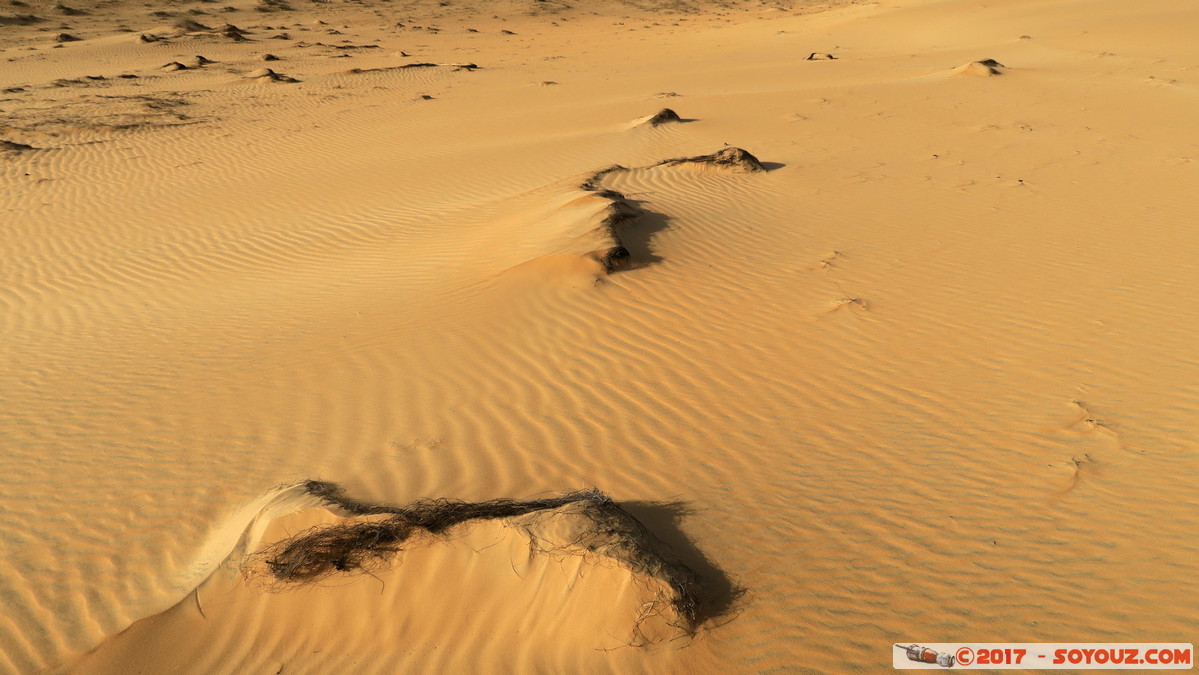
886, 336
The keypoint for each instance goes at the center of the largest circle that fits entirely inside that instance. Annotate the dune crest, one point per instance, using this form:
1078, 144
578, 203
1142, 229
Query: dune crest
983, 68
725, 159
607, 531
584, 534
920, 366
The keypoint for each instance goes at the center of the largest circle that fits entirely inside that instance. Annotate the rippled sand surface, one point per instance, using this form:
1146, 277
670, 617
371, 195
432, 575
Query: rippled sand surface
923, 370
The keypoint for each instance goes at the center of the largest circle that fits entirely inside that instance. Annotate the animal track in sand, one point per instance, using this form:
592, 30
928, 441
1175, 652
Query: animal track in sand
1088, 424
1080, 466
848, 303
371, 535
827, 263
1100, 435
1087, 418
619, 210
456, 66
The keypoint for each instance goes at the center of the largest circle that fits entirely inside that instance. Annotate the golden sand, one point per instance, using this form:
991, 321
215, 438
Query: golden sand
932, 375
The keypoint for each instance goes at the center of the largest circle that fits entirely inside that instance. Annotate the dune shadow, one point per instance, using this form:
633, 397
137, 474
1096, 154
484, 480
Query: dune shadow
666, 116
718, 594
645, 537
631, 227
637, 236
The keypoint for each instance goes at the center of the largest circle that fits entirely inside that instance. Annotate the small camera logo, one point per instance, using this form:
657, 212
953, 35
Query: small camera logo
926, 655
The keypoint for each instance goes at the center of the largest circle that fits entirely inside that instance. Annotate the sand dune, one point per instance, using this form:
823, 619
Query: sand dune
983, 68
727, 159
882, 330
648, 600
663, 116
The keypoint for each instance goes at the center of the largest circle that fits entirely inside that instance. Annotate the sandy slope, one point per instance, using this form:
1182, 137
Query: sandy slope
930, 377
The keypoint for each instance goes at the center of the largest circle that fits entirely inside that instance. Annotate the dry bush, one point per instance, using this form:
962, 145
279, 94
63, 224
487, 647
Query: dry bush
609, 532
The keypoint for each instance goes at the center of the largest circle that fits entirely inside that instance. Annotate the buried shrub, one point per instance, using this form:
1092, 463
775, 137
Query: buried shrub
609, 531
663, 116
726, 158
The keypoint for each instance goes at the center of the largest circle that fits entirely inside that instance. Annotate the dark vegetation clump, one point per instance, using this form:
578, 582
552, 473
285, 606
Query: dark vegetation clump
272, 6
592, 182
19, 19
728, 158
233, 32
663, 116
14, 146
610, 532
191, 25
618, 212
70, 11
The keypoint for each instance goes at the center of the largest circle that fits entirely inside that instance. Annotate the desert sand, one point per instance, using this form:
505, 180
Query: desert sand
908, 354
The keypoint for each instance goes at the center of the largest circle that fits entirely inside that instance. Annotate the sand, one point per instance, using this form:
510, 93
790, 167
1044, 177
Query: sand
927, 376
